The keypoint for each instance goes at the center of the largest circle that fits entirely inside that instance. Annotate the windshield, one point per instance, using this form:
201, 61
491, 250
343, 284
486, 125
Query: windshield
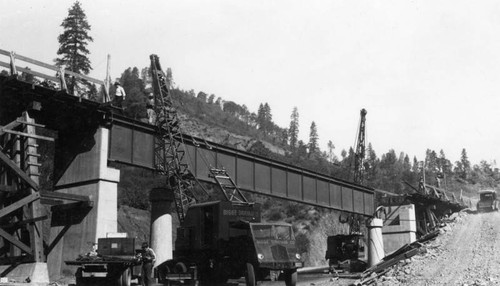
487, 196
280, 232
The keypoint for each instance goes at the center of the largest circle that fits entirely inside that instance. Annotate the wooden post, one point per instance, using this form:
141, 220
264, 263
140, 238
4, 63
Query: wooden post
34, 209
107, 98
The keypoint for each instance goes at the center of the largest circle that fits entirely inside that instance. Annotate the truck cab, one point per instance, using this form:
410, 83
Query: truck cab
487, 201
222, 240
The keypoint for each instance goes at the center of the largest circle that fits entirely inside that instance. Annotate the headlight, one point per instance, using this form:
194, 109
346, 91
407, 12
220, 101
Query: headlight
260, 256
297, 256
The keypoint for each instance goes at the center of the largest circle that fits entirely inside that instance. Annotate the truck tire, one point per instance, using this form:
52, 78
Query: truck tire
250, 275
180, 267
82, 281
126, 277
291, 277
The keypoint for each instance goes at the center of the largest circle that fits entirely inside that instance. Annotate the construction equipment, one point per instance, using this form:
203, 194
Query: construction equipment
359, 155
112, 264
217, 239
343, 251
487, 201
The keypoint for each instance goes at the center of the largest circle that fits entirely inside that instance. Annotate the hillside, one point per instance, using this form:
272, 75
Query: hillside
233, 125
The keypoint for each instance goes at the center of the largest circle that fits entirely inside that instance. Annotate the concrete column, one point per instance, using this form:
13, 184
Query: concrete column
375, 242
400, 227
87, 175
161, 223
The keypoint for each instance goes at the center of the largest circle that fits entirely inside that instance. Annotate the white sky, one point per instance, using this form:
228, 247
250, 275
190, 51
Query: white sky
426, 71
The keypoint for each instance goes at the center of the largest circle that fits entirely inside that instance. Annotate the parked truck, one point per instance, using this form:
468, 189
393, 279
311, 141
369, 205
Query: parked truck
221, 240
487, 201
113, 264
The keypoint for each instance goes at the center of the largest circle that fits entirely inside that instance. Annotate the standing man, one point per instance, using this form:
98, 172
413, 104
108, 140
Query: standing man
150, 108
119, 95
148, 258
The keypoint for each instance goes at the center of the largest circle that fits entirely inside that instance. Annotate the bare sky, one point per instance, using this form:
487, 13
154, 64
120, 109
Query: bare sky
426, 71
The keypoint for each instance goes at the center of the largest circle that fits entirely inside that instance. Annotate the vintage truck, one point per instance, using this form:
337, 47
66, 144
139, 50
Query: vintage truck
114, 264
487, 201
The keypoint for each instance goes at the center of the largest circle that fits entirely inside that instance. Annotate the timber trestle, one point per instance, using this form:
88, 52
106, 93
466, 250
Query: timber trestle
25, 209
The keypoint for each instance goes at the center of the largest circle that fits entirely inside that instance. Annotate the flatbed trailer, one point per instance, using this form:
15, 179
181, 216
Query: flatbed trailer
106, 270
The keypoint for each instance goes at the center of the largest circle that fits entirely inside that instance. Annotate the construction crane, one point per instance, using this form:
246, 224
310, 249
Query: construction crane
359, 155
168, 150
216, 239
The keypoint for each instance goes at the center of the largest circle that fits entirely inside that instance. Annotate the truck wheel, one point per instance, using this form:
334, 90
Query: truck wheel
163, 270
126, 277
250, 275
291, 277
180, 267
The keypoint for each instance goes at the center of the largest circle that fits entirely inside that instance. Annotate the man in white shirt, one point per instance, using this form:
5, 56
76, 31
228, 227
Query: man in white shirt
119, 95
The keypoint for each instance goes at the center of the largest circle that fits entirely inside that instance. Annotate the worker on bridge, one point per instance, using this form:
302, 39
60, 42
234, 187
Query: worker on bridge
150, 104
119, 95
148, 258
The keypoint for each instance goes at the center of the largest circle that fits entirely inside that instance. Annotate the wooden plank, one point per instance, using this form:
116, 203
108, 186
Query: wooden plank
35, 62
34, 136
19, 204
35, 73
9, 126
20, 173
64, 196
7, 188
81, 76
29, 123
23, 222
4, 52
57, 239
51, 202
16, 242
34, 209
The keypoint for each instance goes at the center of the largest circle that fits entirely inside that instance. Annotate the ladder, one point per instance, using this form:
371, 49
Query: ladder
228, 186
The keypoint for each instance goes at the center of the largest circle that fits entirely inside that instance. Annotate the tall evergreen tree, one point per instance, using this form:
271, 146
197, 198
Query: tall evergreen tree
211, 99
73, 43
202, 96
464, 160
293, 131
313, 139
331, 147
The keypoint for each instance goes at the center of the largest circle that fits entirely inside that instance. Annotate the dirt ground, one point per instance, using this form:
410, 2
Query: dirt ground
466, 253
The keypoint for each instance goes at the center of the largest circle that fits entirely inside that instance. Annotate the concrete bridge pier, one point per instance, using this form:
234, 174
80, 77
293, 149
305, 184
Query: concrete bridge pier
87, 175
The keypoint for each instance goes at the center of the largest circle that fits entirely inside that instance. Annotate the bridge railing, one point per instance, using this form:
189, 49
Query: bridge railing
57, 80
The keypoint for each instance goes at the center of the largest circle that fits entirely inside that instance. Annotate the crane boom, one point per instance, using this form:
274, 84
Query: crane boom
359, 155
169, 154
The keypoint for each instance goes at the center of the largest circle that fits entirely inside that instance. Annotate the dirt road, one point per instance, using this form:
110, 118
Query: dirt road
468, 253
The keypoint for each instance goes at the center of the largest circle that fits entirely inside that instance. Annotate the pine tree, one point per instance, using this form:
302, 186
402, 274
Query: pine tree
313, 139
202, 96
211, 99
293, 131
331, 147
464, 160
73, 46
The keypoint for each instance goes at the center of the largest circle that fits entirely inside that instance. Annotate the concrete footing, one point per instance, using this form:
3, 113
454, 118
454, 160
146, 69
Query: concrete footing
375, 242
88, 175
399, 227
161, 224
30, 274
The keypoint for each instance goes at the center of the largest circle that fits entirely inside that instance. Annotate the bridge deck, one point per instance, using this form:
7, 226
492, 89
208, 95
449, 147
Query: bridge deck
132, 142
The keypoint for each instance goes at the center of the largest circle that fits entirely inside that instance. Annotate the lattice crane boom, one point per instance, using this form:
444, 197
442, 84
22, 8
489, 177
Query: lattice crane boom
359, 155
169, 154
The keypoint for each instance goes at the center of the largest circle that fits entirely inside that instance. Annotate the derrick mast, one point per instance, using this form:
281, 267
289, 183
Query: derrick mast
359, 155
168, 150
